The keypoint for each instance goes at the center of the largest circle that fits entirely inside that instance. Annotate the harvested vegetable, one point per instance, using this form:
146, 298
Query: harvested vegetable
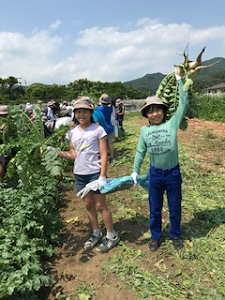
168, 88
190, 68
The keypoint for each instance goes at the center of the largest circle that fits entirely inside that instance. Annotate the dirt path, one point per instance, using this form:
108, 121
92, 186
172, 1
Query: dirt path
75, 266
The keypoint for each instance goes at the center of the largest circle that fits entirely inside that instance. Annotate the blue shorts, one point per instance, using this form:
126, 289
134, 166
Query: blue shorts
82, 180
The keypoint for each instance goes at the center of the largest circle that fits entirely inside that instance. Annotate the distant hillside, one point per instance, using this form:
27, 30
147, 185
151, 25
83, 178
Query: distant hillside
205, 78
210, 76
147, 84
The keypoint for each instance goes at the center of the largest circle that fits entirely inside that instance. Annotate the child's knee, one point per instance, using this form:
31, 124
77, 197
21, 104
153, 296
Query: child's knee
89, 205
100, 207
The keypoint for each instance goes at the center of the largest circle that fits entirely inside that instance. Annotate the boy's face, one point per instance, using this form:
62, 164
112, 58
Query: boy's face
155, 114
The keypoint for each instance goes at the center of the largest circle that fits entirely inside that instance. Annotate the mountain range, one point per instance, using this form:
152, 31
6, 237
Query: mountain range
205, 78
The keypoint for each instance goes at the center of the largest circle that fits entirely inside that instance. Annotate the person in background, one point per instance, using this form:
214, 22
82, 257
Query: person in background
120, 114
159, 139
30, 112
88, 149
39, 103
99, 118
62, 121
106, 110
3, 158
51, 110
5, 135
66, 108
50, 115
114, 117
63, 105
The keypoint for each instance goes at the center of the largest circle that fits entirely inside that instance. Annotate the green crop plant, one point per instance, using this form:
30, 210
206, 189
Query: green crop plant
168, 92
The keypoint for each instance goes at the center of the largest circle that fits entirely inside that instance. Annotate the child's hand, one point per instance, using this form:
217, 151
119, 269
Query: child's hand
101, 182
178, 77
188, 84
134, 175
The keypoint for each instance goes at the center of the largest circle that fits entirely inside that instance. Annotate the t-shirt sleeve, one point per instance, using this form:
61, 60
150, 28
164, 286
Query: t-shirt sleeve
101, 132
68, 135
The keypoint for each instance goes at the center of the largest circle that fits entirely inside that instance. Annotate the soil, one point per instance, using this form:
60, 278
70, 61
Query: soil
74, 265
207, 141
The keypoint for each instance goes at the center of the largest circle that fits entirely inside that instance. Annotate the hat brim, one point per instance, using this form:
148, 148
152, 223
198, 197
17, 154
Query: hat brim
83, 107
146, 108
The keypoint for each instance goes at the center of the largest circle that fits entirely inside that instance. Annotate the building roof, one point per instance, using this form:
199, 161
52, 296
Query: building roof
217, 86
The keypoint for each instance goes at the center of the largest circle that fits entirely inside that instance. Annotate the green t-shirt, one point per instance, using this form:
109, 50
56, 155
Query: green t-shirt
160, 141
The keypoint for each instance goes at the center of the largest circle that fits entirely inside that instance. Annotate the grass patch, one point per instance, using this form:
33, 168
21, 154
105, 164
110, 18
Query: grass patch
197, 271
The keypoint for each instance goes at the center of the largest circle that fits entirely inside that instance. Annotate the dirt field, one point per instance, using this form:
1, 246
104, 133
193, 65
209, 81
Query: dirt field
75, 265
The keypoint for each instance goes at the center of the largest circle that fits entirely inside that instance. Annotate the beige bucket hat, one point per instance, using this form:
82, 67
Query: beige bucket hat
150, 101
83, 102
51, 103
118, 101
105, 99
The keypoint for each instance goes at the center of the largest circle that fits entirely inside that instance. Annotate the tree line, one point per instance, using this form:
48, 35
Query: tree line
13, 92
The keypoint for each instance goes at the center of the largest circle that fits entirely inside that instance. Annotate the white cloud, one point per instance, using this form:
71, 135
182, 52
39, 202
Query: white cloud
146, 22
105, 54
55, 25
26, 57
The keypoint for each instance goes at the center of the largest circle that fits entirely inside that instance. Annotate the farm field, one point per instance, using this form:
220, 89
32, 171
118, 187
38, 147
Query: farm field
130, 270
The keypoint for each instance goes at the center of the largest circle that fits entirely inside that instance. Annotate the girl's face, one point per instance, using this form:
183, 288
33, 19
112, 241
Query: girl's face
83, 116
155, 114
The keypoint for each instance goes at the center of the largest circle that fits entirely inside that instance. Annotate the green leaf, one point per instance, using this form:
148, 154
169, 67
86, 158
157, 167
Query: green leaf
84, 296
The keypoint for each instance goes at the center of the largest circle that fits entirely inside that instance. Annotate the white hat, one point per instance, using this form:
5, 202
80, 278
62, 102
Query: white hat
29, 108
4, 110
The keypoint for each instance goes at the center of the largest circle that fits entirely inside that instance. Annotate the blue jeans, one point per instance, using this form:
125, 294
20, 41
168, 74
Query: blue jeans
160, 181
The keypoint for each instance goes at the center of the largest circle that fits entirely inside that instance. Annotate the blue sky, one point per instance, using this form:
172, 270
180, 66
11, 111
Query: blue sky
60, 41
